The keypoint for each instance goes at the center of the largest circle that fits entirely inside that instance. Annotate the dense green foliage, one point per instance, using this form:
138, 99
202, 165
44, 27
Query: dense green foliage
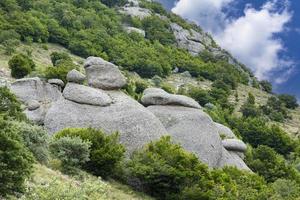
15, 160
105, 151
73, 152
21, 65
89, 28
272, 166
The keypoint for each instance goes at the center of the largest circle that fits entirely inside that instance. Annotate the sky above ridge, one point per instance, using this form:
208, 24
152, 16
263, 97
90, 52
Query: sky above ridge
263, 34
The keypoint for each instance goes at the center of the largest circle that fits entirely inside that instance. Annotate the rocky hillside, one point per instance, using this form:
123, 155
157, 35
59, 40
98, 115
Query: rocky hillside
128, 91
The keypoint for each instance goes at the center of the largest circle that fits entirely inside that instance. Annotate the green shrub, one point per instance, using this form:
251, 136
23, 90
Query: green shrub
61, 70
106, 152
162, 169
58, 56
200, 95
73, 152
21, 65
286, 189
35, 138
15, 161
267, 163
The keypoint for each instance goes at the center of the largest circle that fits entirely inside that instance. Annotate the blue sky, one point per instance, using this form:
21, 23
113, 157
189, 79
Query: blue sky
263, 34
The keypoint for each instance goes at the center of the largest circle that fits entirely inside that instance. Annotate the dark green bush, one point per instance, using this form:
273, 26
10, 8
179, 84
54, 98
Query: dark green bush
59, 56
73, 152
21, 65
106, 152
15, 161
200, 95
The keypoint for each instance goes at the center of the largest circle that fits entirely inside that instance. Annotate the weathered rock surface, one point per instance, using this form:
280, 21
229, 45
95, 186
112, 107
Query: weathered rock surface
156, 96
230, 158
225, 132
129, 29
57, 82
75, 76
186, 40
33, 105
135, 11
234, 145
136, 125
86, 95
193, 129
30, 90
102, 74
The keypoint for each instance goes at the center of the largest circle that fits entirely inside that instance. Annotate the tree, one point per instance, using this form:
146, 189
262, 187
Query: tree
266, 86
15, 161
21, 65
289, 101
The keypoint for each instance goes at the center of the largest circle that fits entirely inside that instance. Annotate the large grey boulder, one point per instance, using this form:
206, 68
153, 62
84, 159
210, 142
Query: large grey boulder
86, 95
37, 95
193, 129
136, 125
156, 96
75, 76
225, 132
234, 145
102, 74
57, 82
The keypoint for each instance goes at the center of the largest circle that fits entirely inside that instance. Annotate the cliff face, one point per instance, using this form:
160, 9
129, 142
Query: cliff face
102, 105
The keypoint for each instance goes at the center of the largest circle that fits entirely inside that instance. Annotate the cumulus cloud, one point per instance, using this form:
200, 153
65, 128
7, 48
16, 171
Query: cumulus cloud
251, 37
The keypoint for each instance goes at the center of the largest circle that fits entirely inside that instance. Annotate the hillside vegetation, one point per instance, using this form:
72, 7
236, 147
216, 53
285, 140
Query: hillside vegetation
49, 38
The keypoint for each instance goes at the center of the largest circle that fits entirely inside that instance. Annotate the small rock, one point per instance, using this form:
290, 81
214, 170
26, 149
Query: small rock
156, 96
234, 145
102, 74
86, 95
186, 74
75, 76
57, 82
135, 30
33, 105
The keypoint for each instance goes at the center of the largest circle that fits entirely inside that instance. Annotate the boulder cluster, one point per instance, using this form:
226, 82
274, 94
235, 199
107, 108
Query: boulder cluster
95, 100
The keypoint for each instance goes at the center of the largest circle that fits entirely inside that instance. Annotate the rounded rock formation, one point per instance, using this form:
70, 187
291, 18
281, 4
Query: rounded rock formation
75, 76
103, 75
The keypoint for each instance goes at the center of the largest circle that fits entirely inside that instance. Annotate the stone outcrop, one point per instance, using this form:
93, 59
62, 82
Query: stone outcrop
75, 76
103, 106
33, 91
86, 95
191, 41
225, 132
156, 96
136, 125
135, 11
130, 29
103, 75
195, 130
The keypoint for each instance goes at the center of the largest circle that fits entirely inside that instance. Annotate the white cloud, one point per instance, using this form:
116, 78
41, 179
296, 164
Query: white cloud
251, 37
207, 13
